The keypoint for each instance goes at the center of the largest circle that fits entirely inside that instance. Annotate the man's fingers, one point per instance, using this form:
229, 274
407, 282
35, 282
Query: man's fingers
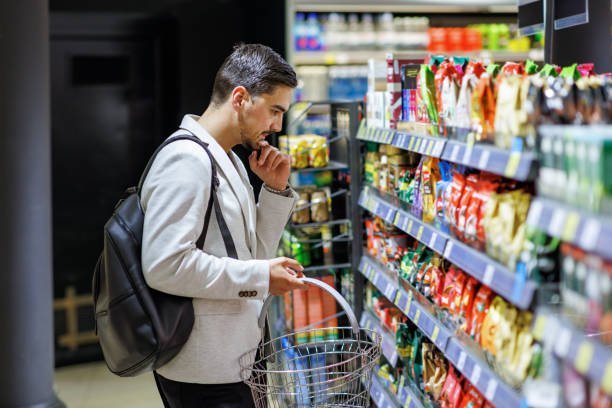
264, 154
293, 264
277, 160
300, 284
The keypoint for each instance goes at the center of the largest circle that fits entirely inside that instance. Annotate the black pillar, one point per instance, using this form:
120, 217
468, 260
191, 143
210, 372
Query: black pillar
26, 315
590, 42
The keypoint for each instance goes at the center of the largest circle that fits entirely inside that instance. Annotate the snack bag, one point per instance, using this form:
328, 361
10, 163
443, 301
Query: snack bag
571, 72
493, 70
509, 105
487, 188
446, 80
318, 155
457, 187
531, 67
471, 215
550, 70
506, 337
470, 186
491, 324
473, 73
449, 283
513, 68
448, 387
457, 293
430, 177
472, 398
416, 196
426, 95
480, 309
467, 300
442, 190
483, 108
586, 70
523, 350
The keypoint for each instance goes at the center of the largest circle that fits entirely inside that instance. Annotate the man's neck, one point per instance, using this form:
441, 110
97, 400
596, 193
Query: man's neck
218, 122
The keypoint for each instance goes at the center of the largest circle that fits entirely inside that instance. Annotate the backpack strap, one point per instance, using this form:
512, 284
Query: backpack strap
213, 200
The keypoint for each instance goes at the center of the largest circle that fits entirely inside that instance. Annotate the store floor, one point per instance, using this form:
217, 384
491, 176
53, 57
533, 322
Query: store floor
91, 385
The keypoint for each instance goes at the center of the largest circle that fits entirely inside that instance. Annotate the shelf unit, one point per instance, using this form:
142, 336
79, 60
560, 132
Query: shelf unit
515, 164
477, 264
463, 357
406, 6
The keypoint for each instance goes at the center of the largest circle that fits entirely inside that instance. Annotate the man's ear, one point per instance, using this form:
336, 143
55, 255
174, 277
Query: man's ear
239, 96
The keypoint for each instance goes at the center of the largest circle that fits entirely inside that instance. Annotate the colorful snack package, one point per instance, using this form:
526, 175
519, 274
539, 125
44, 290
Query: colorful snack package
482, 110
448, 387
550, 70
427, 92
467, 300
471, 215
491, 323
487, 188
416, 195
514, 68
457, 187
506, 337
429, 365
449, 283
457, 394
416, 360
403, 340
524, 345
493, 70
531, 67
473, 73
508, 109
480, 309
472, 398
446, 80
430, 176
586, 70
318, 155
439, 278
442, 187
457, 293
571, 72
470, 187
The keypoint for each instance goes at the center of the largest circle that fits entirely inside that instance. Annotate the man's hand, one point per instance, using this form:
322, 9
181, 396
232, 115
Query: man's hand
273, 166
284, 275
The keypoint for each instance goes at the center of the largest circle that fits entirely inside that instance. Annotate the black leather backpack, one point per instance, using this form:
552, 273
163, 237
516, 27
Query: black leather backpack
140, 329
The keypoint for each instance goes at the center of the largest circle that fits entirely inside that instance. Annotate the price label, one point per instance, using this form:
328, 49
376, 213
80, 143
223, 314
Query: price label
408, 302
416, 316
476, 371
430, 148
409, 226
420, 233
329, 58
434, 335
432, 240
513, 163
448, 249
454, 153
491, 388
411, 145
398, 296
396, 220
584, 357
423, 147
408, 401
461, 362
539, 326
368, 324
606, 382
557, 222
439, 148
535, 212
467, 155
563, 343
590, 234
418, 145
483, 162
571, 225
488, 275
389, 291
366, 269
406, 224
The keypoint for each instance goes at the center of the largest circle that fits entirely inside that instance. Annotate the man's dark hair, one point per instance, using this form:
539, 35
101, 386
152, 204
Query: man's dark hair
256, 67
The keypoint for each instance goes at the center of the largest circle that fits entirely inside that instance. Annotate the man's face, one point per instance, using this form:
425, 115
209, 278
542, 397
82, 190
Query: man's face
262, 115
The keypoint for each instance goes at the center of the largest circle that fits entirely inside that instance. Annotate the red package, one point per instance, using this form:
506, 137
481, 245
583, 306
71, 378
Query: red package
483, 108
449, 283
586, 69
480, 309
448, 387
457, 187
456, 394
470, 186
485, 190
471, 217
467, 300
515, 68
438, 285
457, 293
476, 68
446, 70
472, 398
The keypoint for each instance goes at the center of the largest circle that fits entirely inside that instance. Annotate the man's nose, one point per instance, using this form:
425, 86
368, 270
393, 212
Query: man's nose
277, 125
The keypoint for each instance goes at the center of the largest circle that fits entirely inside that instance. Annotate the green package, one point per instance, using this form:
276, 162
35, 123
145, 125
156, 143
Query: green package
493, 70
549, 70
571, 72
428, 92
531, 67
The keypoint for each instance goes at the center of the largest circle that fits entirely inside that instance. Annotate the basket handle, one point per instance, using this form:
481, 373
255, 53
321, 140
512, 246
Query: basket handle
316, 282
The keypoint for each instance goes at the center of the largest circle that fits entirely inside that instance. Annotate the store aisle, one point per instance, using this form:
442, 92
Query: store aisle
91, 385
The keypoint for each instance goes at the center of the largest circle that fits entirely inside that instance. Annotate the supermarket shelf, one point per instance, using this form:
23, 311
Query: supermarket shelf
381, 396
320, 224
408, 399
590, 232
360, 57
477, 264
512, 164
589, 357
493, 388
327, 267
406, 6
389, 350
332, 165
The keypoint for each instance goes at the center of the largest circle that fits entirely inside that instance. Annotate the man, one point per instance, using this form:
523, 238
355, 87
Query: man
252, 90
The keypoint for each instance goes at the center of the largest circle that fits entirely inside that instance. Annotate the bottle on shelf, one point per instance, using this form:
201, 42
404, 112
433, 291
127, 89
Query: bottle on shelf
299, 32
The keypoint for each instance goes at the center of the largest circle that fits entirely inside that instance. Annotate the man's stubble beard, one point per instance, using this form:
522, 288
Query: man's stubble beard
244, 139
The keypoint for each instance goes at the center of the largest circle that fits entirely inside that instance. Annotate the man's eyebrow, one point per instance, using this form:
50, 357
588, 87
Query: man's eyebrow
280, 108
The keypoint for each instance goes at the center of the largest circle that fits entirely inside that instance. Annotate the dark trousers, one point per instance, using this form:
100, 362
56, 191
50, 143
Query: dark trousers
176, 394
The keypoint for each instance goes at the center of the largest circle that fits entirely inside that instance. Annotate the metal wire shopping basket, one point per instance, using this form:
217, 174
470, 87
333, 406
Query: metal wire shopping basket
324, 367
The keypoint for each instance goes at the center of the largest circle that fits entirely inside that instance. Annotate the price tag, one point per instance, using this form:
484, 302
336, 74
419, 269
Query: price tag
571, 225
539, 326
434, 335
606, 382
476, 371
417, 145
439, 148
398, 296
461, 362
448, 249
563, 343
584, 357
329, 58
408, 302
535, 212
488, 275
556, 224
491, 388
430, 146
454, 153
366, 269
513, 163
412, 140
396, 220
408, 401
467, 155
432, 240
416, 316
590, 234
409, 226
484, 159
420, 233
389, 291
406, 224
368, 324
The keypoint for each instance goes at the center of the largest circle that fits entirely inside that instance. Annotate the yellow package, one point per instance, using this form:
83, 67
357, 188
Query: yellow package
523, 350
371, 177
430, 174
490, 325
505, 338
297, 148
492, 226
318, 153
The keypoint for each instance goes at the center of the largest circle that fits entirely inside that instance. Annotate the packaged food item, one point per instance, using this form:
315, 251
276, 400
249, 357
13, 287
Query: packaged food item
449, 386
403, 339
457, 293
319, 211
444, 301
427, 92
487, 188
302, 213
513, 68
462, 115
491, 324
472, 398
430, 175
371, 175
318, 155
470, 187
571, 72
522, 353
467, 300
510, 115
483, 109
396, 165
550, 70
416, 360
297, 148
442, 191
446, 90
531, 67
480, 310
493, 70
409, 91
416, 201
457, 187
